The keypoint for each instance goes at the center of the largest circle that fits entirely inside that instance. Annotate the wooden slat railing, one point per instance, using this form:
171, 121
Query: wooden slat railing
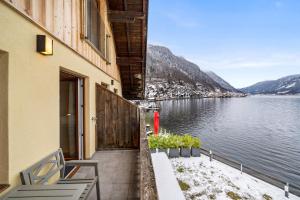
118, 121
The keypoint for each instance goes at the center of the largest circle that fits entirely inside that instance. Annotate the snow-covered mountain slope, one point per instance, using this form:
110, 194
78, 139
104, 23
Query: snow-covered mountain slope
221, 82
170, 76
282, 86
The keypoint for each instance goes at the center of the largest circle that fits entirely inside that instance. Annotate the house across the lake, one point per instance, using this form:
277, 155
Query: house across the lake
67, 71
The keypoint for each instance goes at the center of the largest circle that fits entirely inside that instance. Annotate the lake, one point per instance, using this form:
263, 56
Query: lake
262, 132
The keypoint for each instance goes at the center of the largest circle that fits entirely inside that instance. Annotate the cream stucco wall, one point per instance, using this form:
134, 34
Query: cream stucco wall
33, 92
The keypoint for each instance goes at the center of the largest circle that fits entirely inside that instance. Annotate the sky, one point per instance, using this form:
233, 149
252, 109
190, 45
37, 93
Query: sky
243, 41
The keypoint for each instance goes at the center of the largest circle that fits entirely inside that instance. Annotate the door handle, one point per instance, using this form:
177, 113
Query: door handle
94, 118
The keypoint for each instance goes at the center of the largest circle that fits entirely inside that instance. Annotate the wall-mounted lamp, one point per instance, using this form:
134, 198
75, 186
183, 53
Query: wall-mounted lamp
138, 76
44, 45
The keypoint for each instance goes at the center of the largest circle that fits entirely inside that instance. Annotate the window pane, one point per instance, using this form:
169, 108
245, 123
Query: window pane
93, 20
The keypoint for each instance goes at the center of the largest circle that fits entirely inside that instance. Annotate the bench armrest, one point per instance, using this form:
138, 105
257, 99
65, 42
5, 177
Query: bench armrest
83, 163
92, 163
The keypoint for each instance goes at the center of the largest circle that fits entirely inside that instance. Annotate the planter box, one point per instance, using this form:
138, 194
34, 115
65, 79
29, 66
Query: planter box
185, 152
163, 150
174, 153
195, 152
153, 150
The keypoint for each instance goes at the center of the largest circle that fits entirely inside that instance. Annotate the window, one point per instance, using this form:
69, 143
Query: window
94, 25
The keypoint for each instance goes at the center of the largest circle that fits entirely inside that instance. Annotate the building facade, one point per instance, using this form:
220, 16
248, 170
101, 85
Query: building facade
48, 97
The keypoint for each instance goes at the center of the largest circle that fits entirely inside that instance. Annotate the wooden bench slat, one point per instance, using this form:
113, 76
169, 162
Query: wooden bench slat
41, 192
75, 182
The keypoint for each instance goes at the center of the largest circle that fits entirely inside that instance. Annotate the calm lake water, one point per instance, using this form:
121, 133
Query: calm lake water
262, 132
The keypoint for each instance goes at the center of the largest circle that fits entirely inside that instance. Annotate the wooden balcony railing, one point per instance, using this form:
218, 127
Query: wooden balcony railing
118, 121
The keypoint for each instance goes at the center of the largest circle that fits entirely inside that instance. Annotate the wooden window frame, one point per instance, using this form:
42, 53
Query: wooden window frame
108, 48
102, 33
100, 48
90, 25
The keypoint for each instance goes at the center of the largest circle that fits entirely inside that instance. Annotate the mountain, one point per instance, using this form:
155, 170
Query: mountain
282, 86
222, 82
170, 76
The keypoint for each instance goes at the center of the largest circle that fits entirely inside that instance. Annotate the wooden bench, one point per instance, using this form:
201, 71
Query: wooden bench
42, 171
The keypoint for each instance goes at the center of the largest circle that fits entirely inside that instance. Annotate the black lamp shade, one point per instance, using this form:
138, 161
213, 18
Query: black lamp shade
44, 45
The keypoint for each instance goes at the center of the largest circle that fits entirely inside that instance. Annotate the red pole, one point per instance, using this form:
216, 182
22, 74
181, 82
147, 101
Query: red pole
156, 123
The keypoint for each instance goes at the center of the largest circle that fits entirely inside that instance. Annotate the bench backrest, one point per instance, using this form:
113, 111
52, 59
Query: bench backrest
42, 171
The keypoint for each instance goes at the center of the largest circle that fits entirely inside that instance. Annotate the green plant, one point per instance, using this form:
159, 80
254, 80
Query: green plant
196, 142
180, 169
233, 195
212, 196
163, 142
186, 141
197, 195
184, 186
153, 141
267, 197
174, 141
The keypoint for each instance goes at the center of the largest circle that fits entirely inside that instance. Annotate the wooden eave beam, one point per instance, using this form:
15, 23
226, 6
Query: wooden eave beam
125, 16
131, 37
144, 42
128, 43
129, 61
133, 93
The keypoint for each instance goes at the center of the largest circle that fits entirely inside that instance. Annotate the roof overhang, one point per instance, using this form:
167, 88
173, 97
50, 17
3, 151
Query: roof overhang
129, 22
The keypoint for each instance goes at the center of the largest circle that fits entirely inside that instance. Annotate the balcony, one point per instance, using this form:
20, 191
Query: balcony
119, 174
124, 174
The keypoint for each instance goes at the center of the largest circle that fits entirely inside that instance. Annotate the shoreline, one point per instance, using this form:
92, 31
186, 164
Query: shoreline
184, 98
225, 97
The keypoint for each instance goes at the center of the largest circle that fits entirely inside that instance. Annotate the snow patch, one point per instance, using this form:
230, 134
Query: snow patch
283, 92
287, 86
291, 85
215, 180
